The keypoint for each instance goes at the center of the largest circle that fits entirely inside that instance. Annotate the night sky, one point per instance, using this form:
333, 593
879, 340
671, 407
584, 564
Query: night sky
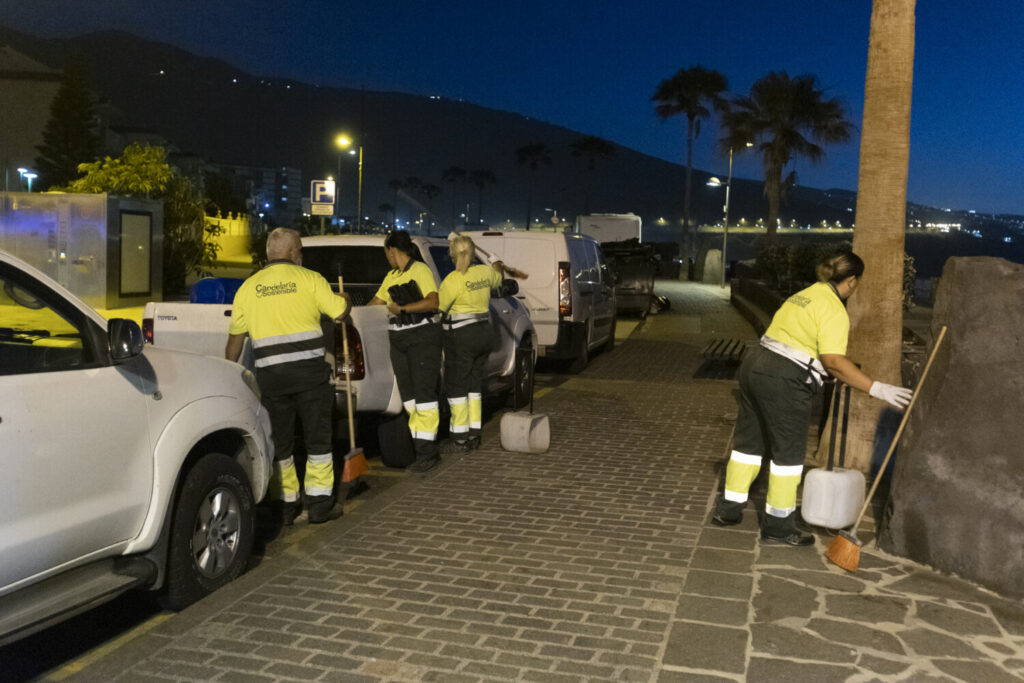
592, 66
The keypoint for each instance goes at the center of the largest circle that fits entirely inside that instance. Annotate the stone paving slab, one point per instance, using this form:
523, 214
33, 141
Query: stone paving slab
594, 561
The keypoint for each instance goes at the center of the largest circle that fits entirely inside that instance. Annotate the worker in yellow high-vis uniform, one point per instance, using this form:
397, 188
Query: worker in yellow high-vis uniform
279, 308
414, 333
806, 338
464, 299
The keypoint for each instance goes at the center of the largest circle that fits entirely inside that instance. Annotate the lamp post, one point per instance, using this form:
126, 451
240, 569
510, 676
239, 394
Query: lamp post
29, 175
345, 142
715, 182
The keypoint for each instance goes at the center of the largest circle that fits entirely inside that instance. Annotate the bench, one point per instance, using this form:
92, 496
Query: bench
721, 359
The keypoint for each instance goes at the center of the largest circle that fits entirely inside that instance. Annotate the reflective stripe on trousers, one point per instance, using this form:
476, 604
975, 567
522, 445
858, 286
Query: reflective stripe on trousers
475, 411
284, 482
740, 473
424, 420
459, 423
319, 480
783, 481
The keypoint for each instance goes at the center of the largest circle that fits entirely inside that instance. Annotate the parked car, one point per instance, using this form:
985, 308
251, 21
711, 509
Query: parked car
360, 260
124, 467
570, 291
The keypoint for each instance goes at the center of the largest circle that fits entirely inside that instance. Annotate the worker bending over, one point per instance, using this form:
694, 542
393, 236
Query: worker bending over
807, 337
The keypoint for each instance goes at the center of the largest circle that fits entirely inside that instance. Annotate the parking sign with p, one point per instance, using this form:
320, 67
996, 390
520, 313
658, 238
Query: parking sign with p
321, 197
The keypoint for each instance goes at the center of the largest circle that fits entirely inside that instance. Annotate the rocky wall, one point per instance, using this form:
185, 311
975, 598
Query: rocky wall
957, 497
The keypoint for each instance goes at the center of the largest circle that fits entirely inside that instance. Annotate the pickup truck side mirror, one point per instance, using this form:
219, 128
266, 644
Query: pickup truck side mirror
508, 287
124, 339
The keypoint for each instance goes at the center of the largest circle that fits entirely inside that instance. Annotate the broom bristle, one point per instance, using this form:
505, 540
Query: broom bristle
844, 551
355, 466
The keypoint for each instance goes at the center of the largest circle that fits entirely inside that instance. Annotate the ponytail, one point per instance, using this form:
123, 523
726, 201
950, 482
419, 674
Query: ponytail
400, 240
461, 249
838, 266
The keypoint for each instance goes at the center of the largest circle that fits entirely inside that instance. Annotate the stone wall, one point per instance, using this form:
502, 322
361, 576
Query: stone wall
957, 500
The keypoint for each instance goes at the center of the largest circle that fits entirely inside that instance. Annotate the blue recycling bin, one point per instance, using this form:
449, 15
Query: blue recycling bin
214, 290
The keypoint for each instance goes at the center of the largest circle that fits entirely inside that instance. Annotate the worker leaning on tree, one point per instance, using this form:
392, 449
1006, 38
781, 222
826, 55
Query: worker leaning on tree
414, 333
464, 298
807, 337
279, 308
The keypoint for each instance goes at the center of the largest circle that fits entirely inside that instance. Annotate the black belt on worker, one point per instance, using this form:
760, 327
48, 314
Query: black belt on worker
407, 321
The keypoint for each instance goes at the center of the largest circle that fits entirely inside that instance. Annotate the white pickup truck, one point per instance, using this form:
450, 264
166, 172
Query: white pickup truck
123, 466
360, 260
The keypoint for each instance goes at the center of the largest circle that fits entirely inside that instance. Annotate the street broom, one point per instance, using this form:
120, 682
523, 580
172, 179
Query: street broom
355, 462
844, 550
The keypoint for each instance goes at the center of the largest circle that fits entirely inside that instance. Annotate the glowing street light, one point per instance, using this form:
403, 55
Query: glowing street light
345, 142
29, 176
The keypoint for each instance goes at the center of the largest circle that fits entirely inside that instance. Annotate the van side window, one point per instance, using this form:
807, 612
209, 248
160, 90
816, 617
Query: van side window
593, 275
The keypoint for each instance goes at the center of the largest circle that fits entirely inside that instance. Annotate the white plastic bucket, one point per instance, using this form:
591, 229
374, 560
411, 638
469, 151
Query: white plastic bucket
525, 432
832, 498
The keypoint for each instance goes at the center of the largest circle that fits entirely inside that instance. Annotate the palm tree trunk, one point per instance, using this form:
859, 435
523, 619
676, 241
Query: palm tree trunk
773, 192
876, 311
687, 240
529, 203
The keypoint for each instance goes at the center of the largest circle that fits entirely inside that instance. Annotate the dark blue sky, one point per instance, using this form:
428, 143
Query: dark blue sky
592, 65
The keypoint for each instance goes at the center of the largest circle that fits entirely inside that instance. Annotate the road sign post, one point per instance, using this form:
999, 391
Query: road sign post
321, 200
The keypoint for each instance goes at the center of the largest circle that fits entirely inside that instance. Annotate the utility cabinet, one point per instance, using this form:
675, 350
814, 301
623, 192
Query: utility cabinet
107, 250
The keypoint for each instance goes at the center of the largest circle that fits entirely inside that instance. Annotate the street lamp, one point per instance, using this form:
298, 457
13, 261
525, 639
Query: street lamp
29, 175
715, 182
345, 142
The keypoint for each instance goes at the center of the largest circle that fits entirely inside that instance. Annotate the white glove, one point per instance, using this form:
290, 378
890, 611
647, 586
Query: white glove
492, 259
897, 397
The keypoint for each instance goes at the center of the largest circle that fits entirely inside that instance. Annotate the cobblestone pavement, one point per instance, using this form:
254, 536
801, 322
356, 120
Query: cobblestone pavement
594, 561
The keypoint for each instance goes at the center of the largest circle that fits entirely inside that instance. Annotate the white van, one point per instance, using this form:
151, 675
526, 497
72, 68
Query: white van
569, 290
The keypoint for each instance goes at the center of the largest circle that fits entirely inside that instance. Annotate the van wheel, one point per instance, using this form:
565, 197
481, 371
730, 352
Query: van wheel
211, 531
610, 344
396, 447
522, 386
582, 355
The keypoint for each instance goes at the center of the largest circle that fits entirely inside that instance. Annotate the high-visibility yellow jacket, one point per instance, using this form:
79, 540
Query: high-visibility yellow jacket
468, 292
814, 320
279, 308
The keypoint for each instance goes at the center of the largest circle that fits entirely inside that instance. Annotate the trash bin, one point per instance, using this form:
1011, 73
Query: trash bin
214, 290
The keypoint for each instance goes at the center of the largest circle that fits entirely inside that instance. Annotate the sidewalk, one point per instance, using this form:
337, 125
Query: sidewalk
594, 561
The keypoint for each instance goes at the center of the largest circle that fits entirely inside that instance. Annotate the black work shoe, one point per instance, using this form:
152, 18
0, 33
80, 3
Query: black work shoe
288, 513
719, 519
424, 465
473, 442
454, 446
319, 517
796, 538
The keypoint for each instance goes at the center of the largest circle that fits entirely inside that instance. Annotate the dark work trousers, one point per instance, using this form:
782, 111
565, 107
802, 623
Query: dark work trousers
774, 414
416, 361
313, 408
466, 350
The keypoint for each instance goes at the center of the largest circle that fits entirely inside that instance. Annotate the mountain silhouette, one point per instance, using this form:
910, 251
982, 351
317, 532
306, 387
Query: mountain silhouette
211, 109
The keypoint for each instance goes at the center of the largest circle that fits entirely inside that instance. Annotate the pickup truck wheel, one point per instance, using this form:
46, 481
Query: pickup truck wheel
211, 531
522, 387
396, 447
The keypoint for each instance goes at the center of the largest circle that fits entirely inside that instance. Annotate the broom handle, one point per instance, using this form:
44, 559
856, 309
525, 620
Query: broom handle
348, 376
509, 269
903, 423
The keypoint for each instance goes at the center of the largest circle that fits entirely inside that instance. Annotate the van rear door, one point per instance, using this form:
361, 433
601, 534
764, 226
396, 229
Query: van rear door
532, 254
